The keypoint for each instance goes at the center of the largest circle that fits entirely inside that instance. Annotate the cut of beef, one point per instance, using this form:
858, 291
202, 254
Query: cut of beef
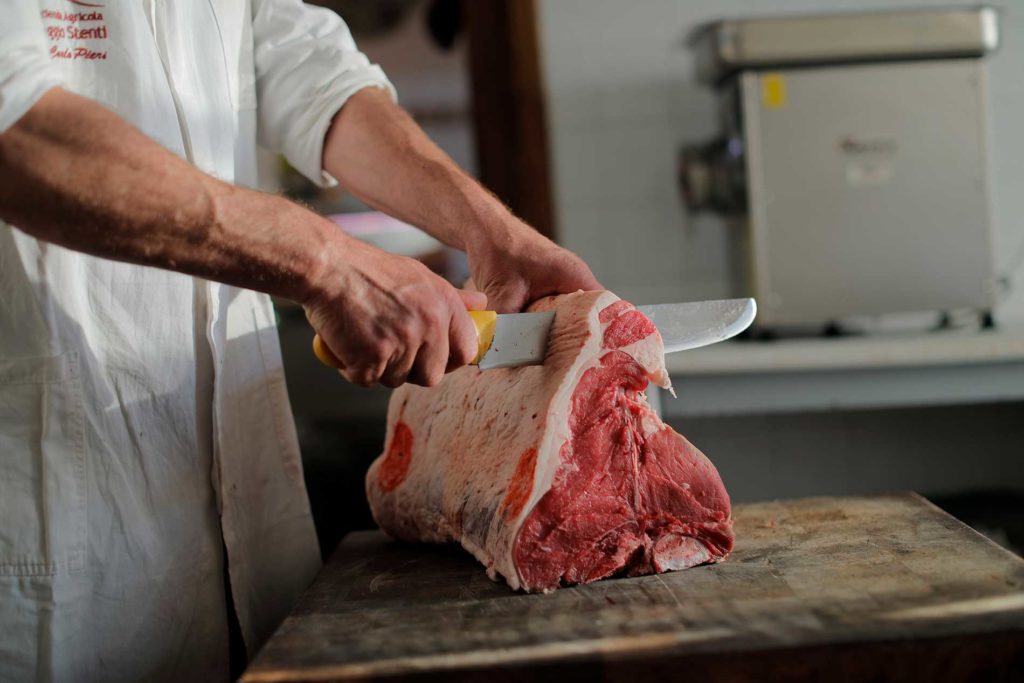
554, 474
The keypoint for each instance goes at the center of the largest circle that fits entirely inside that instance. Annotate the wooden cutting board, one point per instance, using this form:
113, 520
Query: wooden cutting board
883, 588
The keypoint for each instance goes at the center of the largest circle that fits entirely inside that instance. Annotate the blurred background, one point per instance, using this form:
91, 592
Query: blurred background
857, 167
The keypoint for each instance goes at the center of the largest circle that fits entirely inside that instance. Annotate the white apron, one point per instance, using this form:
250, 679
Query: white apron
144, 420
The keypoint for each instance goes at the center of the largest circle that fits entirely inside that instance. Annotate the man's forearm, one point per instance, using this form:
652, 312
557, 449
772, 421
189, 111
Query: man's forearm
379, 154
73, 173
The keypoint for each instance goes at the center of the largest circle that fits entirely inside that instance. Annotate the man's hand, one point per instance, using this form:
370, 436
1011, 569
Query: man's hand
389, 319
75, 174
524, 267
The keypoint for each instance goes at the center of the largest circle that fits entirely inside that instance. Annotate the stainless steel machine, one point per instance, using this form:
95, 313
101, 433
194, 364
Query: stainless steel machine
854, 154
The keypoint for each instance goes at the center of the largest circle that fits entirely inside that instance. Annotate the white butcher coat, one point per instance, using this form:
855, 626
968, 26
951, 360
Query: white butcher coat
144, 420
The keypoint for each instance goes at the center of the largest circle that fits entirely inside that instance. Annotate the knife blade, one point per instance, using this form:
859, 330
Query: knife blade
521, 338
513, 339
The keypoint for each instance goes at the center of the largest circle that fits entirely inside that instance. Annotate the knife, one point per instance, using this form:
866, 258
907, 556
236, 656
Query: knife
510, 340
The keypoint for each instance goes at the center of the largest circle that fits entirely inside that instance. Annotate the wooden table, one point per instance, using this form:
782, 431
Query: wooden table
884, 588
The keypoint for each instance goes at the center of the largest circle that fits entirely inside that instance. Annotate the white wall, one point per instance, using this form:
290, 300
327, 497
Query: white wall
622, 100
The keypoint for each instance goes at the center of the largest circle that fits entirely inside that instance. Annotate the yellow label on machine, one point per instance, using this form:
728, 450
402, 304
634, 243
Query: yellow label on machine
773, 91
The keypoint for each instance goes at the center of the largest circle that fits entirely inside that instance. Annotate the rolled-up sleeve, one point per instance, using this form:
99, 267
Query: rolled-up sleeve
307, 66
26, 71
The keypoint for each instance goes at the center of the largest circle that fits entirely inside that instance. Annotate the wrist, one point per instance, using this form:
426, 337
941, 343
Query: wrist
504, 236
324, 259
491, 229
282, 248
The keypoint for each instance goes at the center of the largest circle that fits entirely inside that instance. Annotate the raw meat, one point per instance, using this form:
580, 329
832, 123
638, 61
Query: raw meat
556, 474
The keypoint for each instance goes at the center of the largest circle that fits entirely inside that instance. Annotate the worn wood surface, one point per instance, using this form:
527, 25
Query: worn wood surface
884, 588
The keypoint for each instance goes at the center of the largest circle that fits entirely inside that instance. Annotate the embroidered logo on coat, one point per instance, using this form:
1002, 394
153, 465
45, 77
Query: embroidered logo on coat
76, 35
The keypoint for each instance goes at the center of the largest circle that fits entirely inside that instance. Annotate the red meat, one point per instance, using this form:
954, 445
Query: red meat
556, 474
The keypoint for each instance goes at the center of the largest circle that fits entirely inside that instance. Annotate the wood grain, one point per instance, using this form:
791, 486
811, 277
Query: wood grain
884, 588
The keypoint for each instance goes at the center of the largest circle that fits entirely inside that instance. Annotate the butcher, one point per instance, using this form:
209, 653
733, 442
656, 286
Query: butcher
152, 505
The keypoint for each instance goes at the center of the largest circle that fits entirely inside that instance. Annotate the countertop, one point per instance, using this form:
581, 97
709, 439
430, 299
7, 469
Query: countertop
880, 588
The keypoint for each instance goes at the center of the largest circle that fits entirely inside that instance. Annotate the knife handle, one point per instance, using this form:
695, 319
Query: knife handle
484, 322
324, 354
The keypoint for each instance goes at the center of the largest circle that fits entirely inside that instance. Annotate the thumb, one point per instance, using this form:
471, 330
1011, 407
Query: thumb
473, 301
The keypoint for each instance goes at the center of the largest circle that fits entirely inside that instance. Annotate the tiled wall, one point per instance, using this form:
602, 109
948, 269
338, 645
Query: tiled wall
622, 100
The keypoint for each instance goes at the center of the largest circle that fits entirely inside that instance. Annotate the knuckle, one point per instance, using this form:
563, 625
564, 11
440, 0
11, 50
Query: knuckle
355, 376
463, 351
365, 374
413, 331
395, 375
468, 351
378, 356
434, 312
405, 329
453, 300
433, 377
430, 375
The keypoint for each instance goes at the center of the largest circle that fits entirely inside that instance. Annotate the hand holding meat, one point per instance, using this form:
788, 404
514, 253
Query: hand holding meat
389, 319
523, 266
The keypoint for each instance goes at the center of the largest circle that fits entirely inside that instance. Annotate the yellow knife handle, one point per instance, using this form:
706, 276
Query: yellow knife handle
324, 354
484, 322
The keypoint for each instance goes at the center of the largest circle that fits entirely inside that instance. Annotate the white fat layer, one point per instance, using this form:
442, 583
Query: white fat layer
649, 352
